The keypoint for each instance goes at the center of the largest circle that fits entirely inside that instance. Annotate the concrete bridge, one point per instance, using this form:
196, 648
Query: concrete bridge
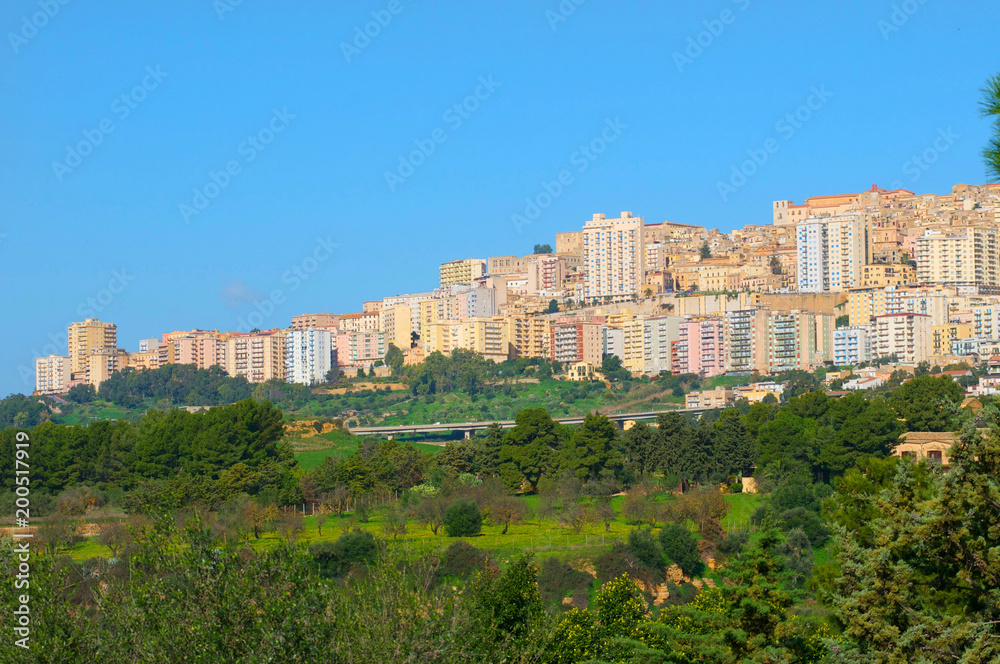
391, 431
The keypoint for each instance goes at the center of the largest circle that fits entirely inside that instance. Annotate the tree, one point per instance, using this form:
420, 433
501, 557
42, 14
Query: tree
82, 393
680, 547
463, 519
553, 307
928, 403
843, 321
333, 376
320, 520
990, 106
705, 251
430, 512
531, 443
115, 535
591, 448
349, 550
735, 448
507, 510
543, 248
394, 359
918, 574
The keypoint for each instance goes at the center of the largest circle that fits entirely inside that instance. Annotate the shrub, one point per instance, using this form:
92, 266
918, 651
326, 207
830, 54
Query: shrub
556, 579
349, 550
463, 519
460, 559
680, 547
734, 543
645, 548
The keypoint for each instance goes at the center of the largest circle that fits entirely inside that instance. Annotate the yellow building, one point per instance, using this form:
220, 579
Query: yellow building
486, 336
462, 271
959, 256
529, 336
257, 356
103, 362
397, 324
943, 335
881, 275
84, 338
615, 257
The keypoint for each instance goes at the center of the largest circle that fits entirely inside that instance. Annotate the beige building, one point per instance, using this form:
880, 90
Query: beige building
720, 397
103, 362
486, 336
880, 275
529, 336
462, 271
920, 445
257, 356
615, 255
570, 243
368, 321
943, 335
312, 321
959, 256
907, 336
397, 324
505, 264
84, 338
198, 347
52, 374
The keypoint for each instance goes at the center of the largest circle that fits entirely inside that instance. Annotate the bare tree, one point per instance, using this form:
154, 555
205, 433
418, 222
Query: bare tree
115, 535
508, 510
320, 520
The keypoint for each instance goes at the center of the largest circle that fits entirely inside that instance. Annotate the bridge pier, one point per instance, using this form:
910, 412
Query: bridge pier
468, 434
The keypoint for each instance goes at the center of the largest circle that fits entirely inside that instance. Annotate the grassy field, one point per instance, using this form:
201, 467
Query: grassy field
545, 537
310, 451
87, 413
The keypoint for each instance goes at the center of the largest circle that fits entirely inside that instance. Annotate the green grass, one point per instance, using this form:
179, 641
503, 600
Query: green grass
310, 452
100, 410
741, 506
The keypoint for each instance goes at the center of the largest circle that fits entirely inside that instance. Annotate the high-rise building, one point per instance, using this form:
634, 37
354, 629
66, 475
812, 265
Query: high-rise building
360, 348
52, 374
658, 333
614, 257
577, 341
257, 356
905, 335
103, 362
959, 257
462, 271
700, 348
832, 252
308, 355
84, 338
850, 346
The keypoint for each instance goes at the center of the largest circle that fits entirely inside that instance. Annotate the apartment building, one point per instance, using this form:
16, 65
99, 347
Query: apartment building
412, 300
959, 256
881, 275
700, 348
103, 362
937, 303
145, 360
84, 338
359, 348
831, 253
905, 335
545, 273
614, 257
53, 374
308, 355
366, 321
658, 334
720, 397
530, 336
943, 336
506, 264
744, 339
851, 346
577, 341
397, 325
257, 356
199, 347
307, 321
476, 303
462, 272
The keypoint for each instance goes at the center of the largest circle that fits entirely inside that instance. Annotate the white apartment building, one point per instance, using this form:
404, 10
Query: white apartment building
52, 374
905, 335
850, 346
657, 335
614, 255
308, 355
831, 253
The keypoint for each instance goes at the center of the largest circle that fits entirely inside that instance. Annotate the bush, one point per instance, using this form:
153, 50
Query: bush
556, 580
460, 560
734, 543
463, 518
646, 549
680, 547
349, 550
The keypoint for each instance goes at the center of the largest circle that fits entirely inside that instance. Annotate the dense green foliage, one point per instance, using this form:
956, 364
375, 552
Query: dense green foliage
463, 518
176, 385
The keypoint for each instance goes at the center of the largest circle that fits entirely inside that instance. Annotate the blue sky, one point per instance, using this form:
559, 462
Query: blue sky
116, 116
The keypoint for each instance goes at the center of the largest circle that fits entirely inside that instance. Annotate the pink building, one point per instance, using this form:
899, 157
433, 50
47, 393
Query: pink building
700, 348
359, 348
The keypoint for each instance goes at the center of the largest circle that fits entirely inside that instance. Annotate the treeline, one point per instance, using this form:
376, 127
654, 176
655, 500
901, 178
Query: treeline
169, 459
176, 384
18, 410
